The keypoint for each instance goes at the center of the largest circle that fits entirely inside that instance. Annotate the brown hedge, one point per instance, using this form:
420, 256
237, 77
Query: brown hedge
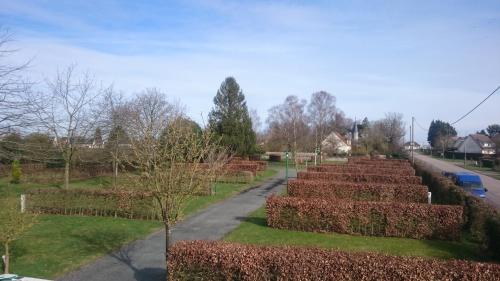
371, 178
412, 220
358, 191
360, 169
243, 167
211, 260
261, 165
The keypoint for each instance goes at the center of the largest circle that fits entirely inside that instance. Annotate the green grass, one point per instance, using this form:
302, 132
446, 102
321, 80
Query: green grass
255, 231
58, 244
225, 190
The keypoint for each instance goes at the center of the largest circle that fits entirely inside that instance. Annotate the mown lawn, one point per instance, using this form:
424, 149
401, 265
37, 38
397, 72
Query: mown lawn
58, 244
255, 231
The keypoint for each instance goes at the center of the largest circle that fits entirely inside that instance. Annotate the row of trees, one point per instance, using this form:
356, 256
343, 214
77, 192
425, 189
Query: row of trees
300, 126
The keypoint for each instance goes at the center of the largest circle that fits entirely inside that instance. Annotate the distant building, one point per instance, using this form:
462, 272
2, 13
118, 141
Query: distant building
334, 143
408, 146
476, 144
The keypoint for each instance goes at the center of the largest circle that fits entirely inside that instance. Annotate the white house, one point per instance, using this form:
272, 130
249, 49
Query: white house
334, 143
477, 144
408, 146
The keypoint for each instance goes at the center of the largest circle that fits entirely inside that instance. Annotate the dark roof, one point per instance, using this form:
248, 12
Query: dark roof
482, 139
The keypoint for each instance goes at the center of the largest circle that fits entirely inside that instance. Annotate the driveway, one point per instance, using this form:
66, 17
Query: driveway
144, 259
493, 185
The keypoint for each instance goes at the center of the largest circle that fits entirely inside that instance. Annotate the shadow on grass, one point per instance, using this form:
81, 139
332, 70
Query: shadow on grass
458, 250
260, 221
109, 242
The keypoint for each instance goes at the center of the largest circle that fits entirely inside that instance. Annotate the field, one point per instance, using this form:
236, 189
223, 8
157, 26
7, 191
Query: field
58, 244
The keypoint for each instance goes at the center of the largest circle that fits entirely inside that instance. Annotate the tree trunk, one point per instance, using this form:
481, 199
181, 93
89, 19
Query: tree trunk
66, 174
6, 259
167, 236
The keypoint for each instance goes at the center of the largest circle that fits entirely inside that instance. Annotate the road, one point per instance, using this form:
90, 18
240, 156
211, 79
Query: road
492, 184
144, 259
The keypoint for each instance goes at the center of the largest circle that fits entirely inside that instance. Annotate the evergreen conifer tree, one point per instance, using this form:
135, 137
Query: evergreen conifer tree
230, 119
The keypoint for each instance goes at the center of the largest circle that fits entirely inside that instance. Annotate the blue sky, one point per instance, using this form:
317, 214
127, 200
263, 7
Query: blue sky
430, 59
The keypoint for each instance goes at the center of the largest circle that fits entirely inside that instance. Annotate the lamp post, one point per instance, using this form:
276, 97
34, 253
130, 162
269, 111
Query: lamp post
286, 169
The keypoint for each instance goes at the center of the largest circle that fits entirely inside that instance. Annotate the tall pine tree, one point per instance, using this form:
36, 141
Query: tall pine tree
230, 119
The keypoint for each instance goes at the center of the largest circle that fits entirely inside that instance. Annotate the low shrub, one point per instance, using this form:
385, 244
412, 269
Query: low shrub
242, 167
211, 260
236, 177
88, 202
15, 172
360, 169
370, 178
358, 191
412, 220
261, 165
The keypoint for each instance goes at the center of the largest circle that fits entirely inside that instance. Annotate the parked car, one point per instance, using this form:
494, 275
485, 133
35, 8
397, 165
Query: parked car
469, 182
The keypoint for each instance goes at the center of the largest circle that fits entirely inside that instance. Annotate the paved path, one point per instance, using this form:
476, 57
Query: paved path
493, 185
144, 259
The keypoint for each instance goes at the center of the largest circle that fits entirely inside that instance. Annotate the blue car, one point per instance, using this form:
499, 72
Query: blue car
469, 181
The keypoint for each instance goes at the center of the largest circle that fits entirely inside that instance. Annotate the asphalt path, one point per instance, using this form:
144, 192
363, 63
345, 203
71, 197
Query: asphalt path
492, 184
144, 259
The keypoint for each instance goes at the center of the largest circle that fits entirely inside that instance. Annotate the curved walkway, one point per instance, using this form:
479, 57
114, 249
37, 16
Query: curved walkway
144, 259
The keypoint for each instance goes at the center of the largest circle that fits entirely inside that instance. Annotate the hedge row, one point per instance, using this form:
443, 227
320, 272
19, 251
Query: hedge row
358, 191
482, 221
88, 202
369, 178
242, 167
361, 169
261, 165
412, 220
210, 260
380, 162
236, 177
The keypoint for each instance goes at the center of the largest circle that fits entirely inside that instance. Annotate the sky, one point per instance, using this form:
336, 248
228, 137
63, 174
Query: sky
428, 59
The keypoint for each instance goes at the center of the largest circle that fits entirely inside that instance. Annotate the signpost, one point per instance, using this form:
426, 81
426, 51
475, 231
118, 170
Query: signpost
286, 168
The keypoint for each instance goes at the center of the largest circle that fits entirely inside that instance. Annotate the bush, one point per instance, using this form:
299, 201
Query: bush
88, 202
370, 178
16, 172
252, 167
236, 177
358, 191
210, 260
412, 220
361, 169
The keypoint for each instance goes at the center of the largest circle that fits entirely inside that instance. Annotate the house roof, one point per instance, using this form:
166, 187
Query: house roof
481, 140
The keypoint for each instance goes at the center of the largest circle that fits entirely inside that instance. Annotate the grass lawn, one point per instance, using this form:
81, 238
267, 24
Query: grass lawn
58, 244
255, 231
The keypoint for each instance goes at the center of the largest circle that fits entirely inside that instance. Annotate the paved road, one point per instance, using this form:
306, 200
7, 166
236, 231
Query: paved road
493, 185
144, 259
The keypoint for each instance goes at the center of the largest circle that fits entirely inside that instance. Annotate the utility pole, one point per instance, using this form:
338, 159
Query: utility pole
465, 152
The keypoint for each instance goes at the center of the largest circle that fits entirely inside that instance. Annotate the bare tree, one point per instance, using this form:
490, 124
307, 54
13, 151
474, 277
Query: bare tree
14, 224
175, 161
321, 111
68, 111
12, 88
288, 124
393, 128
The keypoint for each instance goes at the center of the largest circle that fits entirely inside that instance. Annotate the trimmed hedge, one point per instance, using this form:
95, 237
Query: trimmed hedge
412, 220
211, 260
361, 169
242, 167
236, 177
482, 221
358, 191
370, 178
261, 165
88, 202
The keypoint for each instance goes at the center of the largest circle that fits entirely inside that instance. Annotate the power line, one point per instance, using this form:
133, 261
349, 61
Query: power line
465, 115
421, 127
